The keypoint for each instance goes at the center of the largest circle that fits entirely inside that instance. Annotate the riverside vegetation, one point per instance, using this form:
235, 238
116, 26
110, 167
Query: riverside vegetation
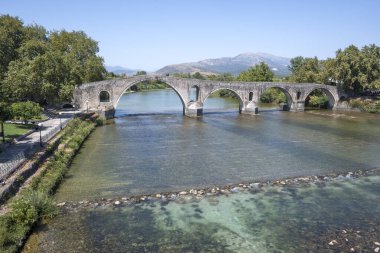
34, 202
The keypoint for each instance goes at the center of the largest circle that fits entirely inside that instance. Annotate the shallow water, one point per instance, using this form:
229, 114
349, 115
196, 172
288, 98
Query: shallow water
275, 219
158, 152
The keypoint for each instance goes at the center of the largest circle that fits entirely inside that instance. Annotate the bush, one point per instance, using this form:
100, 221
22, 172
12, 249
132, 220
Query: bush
25, 111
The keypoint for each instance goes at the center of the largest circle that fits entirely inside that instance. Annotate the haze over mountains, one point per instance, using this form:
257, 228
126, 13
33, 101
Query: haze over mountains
234, 65
121, 70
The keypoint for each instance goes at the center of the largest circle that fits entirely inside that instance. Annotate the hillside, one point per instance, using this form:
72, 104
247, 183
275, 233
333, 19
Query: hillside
233, 65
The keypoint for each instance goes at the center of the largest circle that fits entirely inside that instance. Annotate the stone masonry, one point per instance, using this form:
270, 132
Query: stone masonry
87, 96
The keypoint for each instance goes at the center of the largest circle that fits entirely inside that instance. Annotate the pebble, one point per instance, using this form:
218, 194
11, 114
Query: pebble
182, 193
117, 202
333, 242
158, 196
377, 243
61, 204
377, 249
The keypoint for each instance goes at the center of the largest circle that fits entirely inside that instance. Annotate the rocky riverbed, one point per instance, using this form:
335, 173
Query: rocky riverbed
303, 214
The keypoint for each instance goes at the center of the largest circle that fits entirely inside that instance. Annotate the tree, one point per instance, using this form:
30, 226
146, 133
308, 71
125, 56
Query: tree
347, 68
198, 75
25, 110
48, 68
370, 66
305, 70
225, 77
259, 73
140, 73
11, 37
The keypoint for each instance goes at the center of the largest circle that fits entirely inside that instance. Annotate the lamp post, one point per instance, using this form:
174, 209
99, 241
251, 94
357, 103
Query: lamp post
40, 127
60, 120
2, 131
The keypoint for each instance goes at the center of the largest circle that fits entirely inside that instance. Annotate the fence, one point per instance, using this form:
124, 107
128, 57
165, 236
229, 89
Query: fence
10, 166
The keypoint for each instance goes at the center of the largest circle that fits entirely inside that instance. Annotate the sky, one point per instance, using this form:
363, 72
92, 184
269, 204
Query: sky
150, 34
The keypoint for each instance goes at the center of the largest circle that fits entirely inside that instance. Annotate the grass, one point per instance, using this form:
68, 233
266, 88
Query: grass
15, 130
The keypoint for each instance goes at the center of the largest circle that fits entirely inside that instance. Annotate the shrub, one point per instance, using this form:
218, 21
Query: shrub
25, 110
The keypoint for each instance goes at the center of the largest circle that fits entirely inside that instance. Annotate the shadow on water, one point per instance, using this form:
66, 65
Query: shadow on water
131, 229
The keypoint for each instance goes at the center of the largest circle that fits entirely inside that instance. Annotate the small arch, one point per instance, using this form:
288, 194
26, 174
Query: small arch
250, 96
104, 97
67, 106
298, 95
328, 102
194, 93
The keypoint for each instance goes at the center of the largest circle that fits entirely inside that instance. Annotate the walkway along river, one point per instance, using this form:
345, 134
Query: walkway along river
155, 149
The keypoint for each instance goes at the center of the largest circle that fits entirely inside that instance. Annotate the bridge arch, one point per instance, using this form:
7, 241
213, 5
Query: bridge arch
239, 97
289, 98
118, 95
333, 100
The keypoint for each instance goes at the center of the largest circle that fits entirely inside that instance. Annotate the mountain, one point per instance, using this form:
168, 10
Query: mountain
234, 65
121, 70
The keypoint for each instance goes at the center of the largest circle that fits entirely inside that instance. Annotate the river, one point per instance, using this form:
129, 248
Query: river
151, 148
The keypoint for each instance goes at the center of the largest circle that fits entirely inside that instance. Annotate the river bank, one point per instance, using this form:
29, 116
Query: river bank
33, 202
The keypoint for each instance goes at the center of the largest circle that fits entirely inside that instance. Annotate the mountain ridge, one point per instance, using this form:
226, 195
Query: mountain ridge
234, 65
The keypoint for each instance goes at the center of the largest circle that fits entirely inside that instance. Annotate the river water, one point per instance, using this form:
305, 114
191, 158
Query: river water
152, 148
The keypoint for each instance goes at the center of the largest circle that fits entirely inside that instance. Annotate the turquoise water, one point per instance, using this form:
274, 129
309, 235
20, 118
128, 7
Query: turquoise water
273, 219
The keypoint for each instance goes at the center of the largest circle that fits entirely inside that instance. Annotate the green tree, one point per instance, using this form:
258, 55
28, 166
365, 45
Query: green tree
198, 75
11, 37
259, 73
225, 77
347, 68
25, 110
140, 73
370, 66
305, 70
48, 68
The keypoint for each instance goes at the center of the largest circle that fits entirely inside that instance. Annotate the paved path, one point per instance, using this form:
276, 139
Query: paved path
17, 152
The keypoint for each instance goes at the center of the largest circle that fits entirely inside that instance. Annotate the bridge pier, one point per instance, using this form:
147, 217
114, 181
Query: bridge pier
250, 108
193, 109
298, 106
107, 112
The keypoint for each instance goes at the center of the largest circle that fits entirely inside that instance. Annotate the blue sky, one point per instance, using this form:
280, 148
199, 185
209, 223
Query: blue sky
149, 34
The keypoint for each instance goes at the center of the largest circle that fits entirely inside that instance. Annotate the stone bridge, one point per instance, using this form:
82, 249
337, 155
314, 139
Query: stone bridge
104, 96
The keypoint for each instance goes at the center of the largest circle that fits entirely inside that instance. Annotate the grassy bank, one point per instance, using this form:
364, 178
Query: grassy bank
34, 202
13, 131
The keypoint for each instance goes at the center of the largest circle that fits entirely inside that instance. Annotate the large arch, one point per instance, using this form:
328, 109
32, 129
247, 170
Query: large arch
240, 99
332, 99
289, 98
129, 85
